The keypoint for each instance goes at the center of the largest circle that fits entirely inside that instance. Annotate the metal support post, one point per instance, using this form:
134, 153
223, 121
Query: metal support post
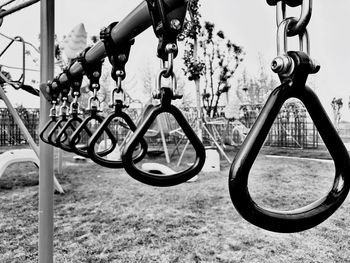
47, 29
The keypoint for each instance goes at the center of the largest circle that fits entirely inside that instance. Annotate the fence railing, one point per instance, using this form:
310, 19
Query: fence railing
10, 134
290, 129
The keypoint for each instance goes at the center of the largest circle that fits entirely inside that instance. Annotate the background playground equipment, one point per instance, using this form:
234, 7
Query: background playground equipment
212, 162
296, 132
11, 6
22, 155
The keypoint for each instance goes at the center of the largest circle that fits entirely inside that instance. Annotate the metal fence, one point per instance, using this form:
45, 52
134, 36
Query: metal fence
10, 134
292, 128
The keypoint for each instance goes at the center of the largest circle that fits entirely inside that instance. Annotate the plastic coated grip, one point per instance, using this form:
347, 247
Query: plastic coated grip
163, 180
75, 137
52, 137
46, 130
62, 138
312, 214
97, 134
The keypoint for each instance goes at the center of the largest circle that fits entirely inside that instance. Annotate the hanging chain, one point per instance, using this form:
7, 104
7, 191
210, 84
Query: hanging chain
301, 23
167, 71
167, 28
74, 108
65, 90
53, 90
118, 56
288, 27
93, 73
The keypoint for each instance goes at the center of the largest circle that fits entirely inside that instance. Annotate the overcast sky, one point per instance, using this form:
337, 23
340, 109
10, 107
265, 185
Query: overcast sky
250, 23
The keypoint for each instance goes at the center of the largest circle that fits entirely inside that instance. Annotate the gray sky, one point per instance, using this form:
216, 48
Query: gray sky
246, 22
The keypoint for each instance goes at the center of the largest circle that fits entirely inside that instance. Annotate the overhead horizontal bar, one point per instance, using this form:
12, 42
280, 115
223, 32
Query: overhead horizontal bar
9, 11
128, 28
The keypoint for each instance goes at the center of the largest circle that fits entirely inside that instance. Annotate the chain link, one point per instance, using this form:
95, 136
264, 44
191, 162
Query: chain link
288, 27
53, 109
300, 26
167, 71
118, 90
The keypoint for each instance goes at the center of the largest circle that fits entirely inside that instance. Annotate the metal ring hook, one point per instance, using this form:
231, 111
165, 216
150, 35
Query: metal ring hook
53, 119
99, 132
138, 135
47, 128
52, 136
316, 212
62, 137
74, 139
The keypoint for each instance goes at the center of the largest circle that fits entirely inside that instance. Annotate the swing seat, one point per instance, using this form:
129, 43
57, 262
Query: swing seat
22, 155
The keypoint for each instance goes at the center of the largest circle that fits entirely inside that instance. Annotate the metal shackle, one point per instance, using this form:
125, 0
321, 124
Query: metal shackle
63, 108
171, 50
91, 99
173, 83
283, 64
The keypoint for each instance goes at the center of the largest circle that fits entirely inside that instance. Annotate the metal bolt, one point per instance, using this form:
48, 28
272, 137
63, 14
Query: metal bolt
119, 73
96, 74
156, 95
282, 65
175, 24
177, 96
122, 57
277, 65
54, 85
171, 48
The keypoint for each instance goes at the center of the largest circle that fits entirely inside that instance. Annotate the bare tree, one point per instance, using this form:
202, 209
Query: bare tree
337, 105
218, 60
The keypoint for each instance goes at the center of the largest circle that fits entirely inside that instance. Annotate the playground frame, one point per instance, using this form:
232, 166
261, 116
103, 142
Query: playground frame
129, 27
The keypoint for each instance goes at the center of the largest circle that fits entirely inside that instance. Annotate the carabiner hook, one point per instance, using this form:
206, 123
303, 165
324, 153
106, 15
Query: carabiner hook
139, 133
312, 214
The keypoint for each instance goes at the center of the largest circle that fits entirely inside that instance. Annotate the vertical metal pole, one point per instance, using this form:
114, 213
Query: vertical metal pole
47, 29
60, 161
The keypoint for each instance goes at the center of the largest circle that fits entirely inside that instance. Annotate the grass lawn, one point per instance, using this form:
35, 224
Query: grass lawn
106, 216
